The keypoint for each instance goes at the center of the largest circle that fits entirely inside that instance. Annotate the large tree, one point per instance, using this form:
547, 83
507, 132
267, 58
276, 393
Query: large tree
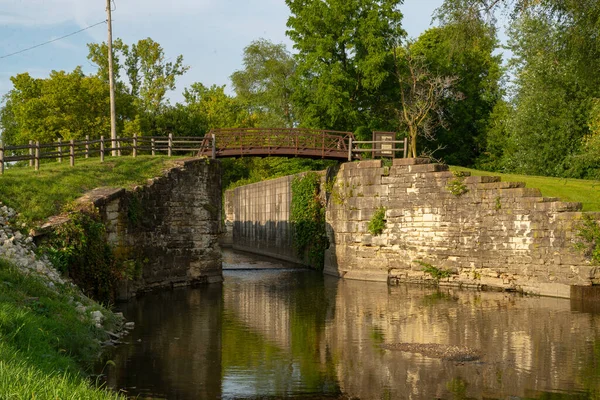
265, 83
467, 53
343, 58
422, 93
556, 51
64, 105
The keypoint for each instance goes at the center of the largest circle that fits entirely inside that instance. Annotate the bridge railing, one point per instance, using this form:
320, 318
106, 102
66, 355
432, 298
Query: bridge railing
35, 152
381, 148
278, 141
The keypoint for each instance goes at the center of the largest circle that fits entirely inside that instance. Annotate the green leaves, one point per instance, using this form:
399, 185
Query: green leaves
265, 83
343, 58
307, 216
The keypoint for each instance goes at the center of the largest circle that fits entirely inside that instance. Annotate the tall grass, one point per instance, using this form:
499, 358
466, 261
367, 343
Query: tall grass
44, 341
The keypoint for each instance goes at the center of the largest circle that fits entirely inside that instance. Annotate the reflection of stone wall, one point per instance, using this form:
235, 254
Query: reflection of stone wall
168, 229
529, 345
497, 234
262, 310
175, 350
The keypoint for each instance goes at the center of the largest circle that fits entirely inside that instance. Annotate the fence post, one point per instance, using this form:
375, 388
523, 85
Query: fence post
135, 145
31, 153
37, 156
101, 149
170, 152
214, 146
405, 147
118, 147
153, 144
350, 149
1, 160
59, 150
87, 146
72, 152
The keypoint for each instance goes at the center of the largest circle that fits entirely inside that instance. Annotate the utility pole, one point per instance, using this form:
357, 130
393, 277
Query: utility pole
111, 80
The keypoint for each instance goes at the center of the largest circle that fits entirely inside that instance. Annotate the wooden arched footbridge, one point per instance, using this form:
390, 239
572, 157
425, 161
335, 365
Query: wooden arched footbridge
287, 142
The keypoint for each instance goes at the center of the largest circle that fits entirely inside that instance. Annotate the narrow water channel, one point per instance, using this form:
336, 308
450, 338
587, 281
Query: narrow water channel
270, 331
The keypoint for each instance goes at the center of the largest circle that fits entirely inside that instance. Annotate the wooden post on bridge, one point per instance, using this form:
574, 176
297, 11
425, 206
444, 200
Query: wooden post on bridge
134, 145
214, 146
37, 156
101, 149
1, 160
405, 147
153, 145
170, 144
350, 149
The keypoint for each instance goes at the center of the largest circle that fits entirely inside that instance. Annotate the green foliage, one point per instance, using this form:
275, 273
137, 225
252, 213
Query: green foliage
377, 222
435, 272
555, 46
79, 249
586, 162
64, 105
498, 203
421, 92
457, 186
307, 216
265, 83
343, 55
243, 171
466, 53
44, 341
217, 109
588, 238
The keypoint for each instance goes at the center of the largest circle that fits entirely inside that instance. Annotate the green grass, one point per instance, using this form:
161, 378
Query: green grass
583, 191
44, 341
39, 195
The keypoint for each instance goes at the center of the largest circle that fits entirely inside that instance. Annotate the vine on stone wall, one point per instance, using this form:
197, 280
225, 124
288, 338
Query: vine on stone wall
307, 216
78, 248
377, 222
588, 238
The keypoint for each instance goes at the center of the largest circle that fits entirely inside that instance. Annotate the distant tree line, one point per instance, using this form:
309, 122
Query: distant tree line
354, 69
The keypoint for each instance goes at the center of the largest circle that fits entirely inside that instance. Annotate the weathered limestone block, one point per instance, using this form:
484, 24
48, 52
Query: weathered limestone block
170, 226
504, 234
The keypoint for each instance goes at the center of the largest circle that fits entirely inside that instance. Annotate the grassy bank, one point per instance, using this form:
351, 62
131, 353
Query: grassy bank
580, 190
44, 341
39, 195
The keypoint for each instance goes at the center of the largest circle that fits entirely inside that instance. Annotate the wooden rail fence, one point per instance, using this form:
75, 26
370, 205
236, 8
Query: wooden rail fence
34, 152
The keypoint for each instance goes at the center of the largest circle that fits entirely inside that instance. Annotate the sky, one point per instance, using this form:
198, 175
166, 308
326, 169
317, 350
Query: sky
210, 34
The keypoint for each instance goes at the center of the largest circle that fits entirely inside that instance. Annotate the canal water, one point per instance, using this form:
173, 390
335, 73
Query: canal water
271, 331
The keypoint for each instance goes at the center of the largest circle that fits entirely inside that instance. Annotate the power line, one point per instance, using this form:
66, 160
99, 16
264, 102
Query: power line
51, 41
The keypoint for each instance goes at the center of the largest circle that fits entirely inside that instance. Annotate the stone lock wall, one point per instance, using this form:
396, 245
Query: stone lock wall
495, 234
259, 214
168, 229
